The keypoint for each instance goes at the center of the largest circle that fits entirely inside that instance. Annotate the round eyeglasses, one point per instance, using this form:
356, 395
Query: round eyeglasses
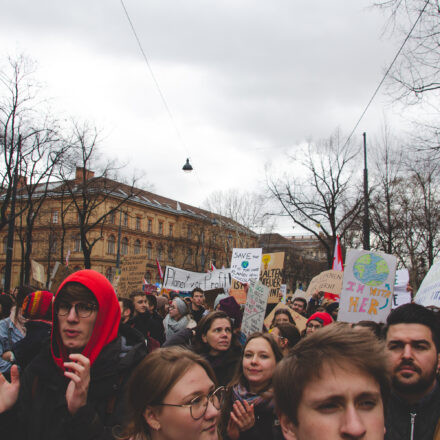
199, 404
83, 310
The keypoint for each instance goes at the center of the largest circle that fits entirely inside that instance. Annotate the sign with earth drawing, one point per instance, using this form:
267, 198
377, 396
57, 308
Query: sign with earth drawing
367, 286
245, 264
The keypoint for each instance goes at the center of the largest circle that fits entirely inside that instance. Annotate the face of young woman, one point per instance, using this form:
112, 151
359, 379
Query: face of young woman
219, 335
281, 318
176, 423
258, 363
174, 311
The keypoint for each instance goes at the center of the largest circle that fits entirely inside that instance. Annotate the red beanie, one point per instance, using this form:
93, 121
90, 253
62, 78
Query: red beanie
322, 317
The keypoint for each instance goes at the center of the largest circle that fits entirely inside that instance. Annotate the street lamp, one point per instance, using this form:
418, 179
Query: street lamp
187, 167
118, 252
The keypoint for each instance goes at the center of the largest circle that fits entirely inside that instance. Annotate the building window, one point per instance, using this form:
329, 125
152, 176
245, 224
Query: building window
112, 218
161, 228
138, 223
149, 250
55, 217
189, 232
147, 276
159, 252
137, 247
125, 219
5, 244
189, 255
54, 245
171, 230
124, 246
77, 243
170, 253
150, 225
109, 274
111, 245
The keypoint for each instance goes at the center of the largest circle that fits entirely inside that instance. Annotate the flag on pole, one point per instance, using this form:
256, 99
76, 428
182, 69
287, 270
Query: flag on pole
337, 256
211, 266
159, 269
67, 258
337, 265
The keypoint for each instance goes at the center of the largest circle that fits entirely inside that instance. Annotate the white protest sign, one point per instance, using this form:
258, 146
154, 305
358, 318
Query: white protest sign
245, 264
429, 291
283, 291
401, 295
367, 287
184, 280
255, 308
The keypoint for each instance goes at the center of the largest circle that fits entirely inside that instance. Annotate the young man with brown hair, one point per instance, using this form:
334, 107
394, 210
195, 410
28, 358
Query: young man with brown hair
333, 386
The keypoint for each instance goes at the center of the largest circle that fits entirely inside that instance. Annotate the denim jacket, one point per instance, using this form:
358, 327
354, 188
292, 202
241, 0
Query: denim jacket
9, 335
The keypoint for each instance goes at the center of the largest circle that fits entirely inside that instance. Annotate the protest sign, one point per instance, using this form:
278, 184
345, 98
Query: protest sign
368, 285
132, 274
38, 272
302, 294
300, 321
271, 274
283, 292
256, 303
328, 281
429, 290
238, 291
401, 295
184, 280
59, 276
245, 264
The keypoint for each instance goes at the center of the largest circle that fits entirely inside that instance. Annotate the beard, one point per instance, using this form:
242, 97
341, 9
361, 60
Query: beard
420, 386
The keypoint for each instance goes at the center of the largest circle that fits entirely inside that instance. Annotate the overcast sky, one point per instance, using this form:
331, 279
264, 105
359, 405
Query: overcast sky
245, 81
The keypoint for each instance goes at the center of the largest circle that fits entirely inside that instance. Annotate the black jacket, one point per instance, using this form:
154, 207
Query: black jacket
150, 325
41, 411
225, 364
426, 415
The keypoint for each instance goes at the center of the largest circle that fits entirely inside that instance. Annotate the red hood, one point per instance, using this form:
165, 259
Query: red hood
107, 321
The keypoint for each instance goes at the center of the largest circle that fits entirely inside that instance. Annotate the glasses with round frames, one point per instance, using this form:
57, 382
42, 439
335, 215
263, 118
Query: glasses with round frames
199, 404
83, 310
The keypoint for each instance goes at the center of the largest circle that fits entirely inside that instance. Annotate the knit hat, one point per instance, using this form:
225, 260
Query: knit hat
322, 317
37, 306
219, 297
181, 306
230, 306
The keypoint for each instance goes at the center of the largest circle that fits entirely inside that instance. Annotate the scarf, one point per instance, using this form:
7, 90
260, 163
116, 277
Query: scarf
239, 392
172, 326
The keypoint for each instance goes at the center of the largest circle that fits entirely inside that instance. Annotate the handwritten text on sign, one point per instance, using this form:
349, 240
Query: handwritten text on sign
184, 280
245, 264
255, 308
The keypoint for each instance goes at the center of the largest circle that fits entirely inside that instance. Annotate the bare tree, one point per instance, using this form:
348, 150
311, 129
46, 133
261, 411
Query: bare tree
326, 200
94, 195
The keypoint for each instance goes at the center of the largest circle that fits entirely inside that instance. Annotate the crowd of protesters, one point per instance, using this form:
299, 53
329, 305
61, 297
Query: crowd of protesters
85, 364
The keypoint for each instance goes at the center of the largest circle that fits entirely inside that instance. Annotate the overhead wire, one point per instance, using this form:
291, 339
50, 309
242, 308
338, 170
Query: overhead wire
156, 83
386, 73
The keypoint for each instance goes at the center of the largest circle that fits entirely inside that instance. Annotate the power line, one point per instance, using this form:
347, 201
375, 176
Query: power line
156, 83
386, 73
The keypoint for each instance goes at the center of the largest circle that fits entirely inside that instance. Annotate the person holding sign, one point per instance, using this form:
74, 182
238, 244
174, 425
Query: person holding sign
249, 413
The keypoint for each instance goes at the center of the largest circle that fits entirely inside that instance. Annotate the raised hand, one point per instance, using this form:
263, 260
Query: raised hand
76, 393
242, 415
9, 391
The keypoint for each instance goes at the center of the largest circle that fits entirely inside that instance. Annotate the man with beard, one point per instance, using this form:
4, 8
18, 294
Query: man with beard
413, 347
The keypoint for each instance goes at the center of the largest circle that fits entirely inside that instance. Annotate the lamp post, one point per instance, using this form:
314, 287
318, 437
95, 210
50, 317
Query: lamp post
366, 222
118, 252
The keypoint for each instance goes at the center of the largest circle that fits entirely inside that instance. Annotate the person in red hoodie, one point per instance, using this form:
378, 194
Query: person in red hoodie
74, 388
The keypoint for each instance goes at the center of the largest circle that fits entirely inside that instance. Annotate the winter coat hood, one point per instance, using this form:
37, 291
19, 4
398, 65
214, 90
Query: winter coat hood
107, 321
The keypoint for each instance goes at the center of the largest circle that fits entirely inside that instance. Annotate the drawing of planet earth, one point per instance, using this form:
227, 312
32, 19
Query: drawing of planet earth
371, 269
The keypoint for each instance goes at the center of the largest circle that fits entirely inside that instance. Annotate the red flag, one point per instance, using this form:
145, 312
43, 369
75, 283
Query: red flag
159, 269
67, 258
212, 266
337, 265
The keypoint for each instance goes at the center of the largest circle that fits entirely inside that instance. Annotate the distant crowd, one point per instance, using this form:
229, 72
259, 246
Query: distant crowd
85, 364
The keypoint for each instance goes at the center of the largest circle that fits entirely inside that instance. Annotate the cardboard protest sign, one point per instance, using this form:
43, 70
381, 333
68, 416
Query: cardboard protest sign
38, 272
245, 264
255, 308
271, 274
401, 295
184, 280
210, 296
132, 274
429, 291
368, 285
301, 293
300, 321
328, 281
60, 275
238, 291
